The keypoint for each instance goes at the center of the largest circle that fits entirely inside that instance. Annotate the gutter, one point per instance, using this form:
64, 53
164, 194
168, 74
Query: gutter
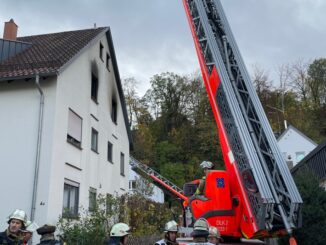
38, 147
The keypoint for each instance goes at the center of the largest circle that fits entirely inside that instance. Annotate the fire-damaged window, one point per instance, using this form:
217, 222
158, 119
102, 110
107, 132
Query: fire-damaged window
94, 89
114, 112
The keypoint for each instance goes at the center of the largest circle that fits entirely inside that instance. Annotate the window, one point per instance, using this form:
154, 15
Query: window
74, 134
114, 111
108, 61
132, 184
110, 146
299, 156
92, 199
94, 140
109, 201
122, 164
70, 199
101, 51
94, 88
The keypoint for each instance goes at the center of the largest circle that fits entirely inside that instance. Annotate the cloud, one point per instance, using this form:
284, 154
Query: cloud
152, 36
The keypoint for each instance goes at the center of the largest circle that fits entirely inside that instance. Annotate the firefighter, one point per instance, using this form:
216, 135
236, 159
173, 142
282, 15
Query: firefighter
170, 234
119, 234
12, 235
201, 232
214, 235
47, 235
206, 166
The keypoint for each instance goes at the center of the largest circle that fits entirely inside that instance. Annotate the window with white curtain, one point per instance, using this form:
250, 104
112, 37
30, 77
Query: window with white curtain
74, 134
70, 199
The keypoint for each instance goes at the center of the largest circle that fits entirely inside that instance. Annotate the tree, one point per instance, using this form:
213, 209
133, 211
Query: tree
299, 79
261, 82
314, 210
317, 82
137, 108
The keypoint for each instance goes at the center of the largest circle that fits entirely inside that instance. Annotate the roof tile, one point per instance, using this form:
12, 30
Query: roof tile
47, 53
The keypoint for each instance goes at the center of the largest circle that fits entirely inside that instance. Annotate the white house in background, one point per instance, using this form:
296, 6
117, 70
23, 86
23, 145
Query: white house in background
294, 145
135, 180
64, 128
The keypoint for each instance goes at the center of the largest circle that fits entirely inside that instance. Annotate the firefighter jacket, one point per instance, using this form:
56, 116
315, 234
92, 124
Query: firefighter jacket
165, 242
114, 241
7, 238
201, 186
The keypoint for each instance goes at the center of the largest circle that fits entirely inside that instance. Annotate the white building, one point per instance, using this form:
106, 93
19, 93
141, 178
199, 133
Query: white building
57, 155
138, 184
294, 145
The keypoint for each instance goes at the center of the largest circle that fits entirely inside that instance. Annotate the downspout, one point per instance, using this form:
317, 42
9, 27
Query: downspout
38, 147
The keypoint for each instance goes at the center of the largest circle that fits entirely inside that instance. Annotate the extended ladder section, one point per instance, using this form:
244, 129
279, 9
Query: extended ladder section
145, 171
249, 147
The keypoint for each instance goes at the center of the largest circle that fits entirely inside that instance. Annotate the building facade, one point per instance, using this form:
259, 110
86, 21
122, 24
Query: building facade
65, 134
294, 145
137, 184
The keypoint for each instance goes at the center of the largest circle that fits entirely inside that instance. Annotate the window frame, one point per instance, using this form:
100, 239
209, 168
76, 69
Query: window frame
94, 87
94, 133
71, 211
122, 164
107, 63
71, 139
301, 154
101, 51
132, 185
114, 112
92, 196
110, 152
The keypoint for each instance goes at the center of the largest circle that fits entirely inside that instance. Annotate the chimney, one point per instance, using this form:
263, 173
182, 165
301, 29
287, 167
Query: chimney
10, 31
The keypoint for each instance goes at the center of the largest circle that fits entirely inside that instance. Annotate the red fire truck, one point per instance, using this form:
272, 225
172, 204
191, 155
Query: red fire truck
255, 197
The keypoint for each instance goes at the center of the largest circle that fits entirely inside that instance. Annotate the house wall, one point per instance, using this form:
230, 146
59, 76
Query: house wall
19, 108
158, 194
84, 166
60, 160
292, 144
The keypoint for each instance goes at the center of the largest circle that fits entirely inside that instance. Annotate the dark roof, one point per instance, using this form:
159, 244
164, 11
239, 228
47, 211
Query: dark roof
314, 161
51, 53
47, 54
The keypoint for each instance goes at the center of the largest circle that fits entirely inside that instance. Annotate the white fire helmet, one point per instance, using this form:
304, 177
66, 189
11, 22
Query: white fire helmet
201, 224
214, 232
171, 226
206, 164
120, 230
18, 214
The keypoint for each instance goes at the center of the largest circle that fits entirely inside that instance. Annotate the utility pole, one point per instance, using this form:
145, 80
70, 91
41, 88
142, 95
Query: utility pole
282, 111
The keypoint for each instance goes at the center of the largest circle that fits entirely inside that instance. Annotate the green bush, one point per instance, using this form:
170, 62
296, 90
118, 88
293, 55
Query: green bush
144, 217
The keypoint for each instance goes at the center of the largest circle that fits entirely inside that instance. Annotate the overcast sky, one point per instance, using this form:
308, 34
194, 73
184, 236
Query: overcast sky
152, 36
